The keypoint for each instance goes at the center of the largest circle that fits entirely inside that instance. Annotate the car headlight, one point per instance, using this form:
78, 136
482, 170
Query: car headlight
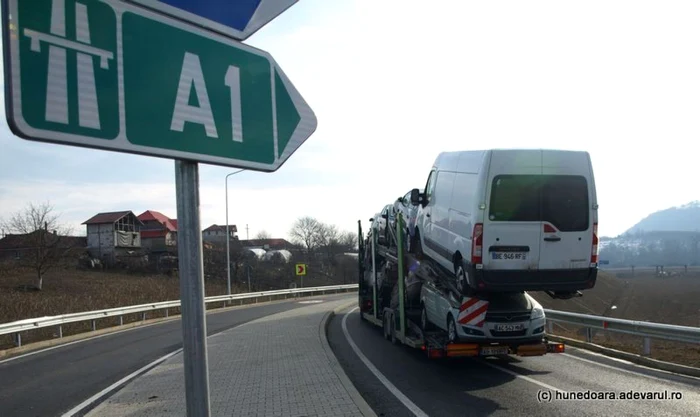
537, 313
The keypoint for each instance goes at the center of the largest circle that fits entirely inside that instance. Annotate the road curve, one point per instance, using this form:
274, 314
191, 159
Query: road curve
51, 382
405, 383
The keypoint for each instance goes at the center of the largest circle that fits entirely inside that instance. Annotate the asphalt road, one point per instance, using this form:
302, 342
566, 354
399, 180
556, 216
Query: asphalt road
52, 382
499, 387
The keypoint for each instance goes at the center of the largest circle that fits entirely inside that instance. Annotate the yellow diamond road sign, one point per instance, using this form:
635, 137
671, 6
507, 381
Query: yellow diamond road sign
301, 269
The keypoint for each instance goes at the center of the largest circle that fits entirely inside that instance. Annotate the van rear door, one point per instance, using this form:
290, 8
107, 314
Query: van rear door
512, 228
568, 195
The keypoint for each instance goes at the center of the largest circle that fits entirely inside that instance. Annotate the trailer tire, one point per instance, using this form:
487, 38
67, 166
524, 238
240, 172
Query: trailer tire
394, 340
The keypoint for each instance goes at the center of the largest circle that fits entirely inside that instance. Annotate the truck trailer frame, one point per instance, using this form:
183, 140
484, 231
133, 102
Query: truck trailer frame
399, 324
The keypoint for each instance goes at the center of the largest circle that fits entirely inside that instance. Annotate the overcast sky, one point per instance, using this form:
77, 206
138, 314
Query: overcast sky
393, 83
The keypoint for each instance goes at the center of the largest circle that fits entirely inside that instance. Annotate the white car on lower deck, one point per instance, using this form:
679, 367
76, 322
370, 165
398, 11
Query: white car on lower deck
510, 318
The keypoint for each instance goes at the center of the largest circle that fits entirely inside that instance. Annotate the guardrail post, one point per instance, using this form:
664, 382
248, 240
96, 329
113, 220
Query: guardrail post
18, 339
143, 316
94, 325
224, 304
550, 326
60, 331
121, 320
589, 335
647, 346
166, 312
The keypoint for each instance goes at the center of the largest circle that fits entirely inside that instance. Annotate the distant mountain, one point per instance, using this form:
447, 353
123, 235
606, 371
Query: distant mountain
685, 218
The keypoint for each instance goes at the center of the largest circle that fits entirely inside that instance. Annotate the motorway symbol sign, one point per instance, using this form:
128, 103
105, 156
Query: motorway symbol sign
146, 84
235, 18
301, 269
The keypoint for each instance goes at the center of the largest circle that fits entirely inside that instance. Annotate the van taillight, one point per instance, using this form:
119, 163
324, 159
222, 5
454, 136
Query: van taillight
594, 248
477, 242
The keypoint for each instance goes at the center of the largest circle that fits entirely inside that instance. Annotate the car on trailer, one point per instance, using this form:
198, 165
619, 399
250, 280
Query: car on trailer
383, 302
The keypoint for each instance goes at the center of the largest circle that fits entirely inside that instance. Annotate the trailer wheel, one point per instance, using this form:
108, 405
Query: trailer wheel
452, 330
394, 340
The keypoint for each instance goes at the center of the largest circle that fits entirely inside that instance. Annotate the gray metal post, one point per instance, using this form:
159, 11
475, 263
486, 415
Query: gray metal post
194, 325
228, 238
647, 346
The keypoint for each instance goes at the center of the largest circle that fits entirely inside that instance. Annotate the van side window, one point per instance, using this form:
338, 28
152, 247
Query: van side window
430, 185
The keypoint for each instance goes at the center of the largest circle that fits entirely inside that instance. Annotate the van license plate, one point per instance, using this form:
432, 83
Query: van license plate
494, 350
509, 327
514, 256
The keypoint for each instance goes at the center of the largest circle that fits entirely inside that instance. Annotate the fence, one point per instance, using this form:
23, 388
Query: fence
17, 327
646, 330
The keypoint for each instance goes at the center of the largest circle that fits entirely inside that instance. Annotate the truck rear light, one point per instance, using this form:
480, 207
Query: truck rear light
477, 243
594, 246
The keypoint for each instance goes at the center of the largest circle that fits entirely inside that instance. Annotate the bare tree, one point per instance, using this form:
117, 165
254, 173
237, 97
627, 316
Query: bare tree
328, 238
306, 232
44, 242
263, 234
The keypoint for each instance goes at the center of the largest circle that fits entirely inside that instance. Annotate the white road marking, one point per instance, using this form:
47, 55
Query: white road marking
79, 408
397, 393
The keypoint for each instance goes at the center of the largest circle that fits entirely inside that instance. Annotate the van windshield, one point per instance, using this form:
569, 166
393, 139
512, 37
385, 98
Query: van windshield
559, 199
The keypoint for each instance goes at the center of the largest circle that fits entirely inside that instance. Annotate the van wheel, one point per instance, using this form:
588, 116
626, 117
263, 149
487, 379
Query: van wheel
452, 330
461, 276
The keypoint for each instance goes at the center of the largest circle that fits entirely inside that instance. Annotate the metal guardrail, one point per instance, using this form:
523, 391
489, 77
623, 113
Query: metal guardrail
16, 327
646, 330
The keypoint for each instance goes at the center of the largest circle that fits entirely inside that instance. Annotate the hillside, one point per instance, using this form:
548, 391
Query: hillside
685, 218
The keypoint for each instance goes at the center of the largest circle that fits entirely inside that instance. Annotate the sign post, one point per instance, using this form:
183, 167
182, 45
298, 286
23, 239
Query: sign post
163, 78
194, 324
301, 271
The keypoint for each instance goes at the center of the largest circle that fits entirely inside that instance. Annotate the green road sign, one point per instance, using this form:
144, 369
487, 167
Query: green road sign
110, 75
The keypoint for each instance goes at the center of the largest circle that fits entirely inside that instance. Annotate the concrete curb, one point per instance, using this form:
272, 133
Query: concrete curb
360, 402
631, 357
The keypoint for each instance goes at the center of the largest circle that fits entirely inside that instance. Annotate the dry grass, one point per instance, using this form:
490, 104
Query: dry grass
71, 291
674, 300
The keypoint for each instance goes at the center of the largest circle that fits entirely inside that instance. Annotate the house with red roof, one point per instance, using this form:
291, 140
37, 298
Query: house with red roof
113, 234
159, 232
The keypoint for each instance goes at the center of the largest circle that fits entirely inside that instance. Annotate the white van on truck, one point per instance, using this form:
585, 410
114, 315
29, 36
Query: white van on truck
511, 220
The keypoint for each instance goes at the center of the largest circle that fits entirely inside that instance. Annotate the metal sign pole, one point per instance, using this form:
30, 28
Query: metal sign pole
194, 326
